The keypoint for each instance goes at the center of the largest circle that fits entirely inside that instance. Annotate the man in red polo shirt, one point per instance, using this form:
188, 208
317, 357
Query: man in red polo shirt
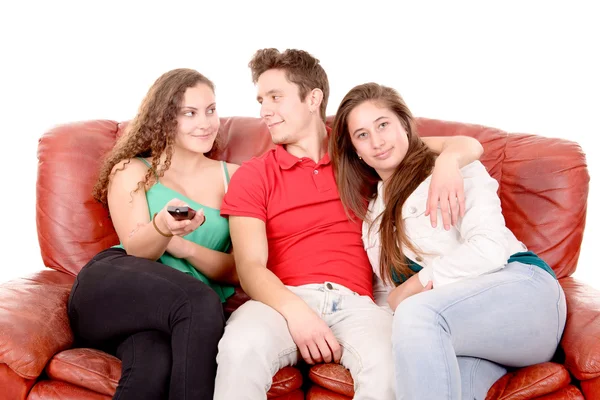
298, 255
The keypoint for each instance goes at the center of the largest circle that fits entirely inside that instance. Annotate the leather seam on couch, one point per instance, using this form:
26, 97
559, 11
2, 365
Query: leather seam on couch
329, 378
284, 381
580, 373
530, 385
78, 366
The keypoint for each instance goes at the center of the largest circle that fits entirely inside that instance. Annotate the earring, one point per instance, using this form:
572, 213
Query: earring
359, 157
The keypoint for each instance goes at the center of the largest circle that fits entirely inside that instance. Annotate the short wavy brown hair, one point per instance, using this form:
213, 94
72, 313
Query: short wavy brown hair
153, 129
300, 68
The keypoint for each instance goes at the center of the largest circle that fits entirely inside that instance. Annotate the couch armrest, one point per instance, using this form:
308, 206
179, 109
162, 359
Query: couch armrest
581, 338
33, 321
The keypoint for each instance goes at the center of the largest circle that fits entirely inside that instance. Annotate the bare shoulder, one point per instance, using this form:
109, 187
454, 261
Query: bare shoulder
131, 169
124, 182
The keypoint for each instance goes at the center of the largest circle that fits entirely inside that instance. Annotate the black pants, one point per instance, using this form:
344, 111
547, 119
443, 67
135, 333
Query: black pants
164, 325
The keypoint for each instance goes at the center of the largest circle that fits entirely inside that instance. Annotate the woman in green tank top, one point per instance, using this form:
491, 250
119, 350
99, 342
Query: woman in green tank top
154, 299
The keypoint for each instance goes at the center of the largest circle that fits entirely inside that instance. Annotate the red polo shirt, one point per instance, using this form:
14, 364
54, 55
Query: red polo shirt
310, 237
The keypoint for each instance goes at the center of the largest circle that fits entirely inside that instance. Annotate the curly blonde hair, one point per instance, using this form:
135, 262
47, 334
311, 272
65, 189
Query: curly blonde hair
153, 129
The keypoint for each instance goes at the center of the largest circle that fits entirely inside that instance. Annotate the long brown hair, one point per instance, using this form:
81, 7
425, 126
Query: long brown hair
357, 182
153, 129
300, 68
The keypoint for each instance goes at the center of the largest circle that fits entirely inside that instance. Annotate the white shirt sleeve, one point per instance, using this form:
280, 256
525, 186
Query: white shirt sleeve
484, 243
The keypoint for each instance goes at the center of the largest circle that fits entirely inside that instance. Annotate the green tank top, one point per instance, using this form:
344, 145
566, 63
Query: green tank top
212, 234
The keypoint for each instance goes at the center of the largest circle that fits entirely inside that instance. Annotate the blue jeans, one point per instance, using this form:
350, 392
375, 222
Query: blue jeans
452, 342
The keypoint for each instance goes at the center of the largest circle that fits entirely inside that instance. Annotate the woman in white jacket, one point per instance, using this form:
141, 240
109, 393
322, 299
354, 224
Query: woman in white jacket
468, 299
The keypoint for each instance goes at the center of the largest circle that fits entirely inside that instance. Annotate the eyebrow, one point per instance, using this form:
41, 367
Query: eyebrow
356, 131
272, 91
195, 109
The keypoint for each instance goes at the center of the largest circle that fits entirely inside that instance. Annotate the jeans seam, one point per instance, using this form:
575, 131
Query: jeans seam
440, 332
187, 344
473, 374
276, 364
285, 352
324, 304
558, 314
72, 296
355, 353
132, 364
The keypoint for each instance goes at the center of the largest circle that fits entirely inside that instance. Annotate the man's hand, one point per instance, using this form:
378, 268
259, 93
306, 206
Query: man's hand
313, 337
409, 288
447, 190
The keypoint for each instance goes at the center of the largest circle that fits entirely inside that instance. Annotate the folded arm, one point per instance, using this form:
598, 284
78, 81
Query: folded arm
213, 264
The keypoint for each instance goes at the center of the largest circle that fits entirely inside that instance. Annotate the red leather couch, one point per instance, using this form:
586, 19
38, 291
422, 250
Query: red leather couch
543, 187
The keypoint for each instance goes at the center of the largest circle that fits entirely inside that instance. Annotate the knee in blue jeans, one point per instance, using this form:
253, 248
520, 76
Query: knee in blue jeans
413, 317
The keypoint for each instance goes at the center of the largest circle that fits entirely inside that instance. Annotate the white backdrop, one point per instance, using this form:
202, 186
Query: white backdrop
521, 66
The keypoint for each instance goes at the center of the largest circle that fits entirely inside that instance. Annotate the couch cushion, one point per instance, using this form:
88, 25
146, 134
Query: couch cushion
242, 138
100, 372
286, 381
567, 393
297, 394
55, 390
580, 339
320, 393
13, 386
88, 368
334, 377
72, 227
525, 383
530, 382
591, 388
33, 321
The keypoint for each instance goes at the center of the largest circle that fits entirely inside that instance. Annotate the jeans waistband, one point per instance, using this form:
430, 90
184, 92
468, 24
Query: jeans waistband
328, 287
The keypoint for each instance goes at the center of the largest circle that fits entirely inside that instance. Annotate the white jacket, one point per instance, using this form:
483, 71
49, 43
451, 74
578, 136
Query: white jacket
480, 243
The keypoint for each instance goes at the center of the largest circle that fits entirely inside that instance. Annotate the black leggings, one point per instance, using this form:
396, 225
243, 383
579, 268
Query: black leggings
164, 325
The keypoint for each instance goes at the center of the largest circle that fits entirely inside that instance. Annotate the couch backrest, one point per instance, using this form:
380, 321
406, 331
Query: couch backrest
543, 186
